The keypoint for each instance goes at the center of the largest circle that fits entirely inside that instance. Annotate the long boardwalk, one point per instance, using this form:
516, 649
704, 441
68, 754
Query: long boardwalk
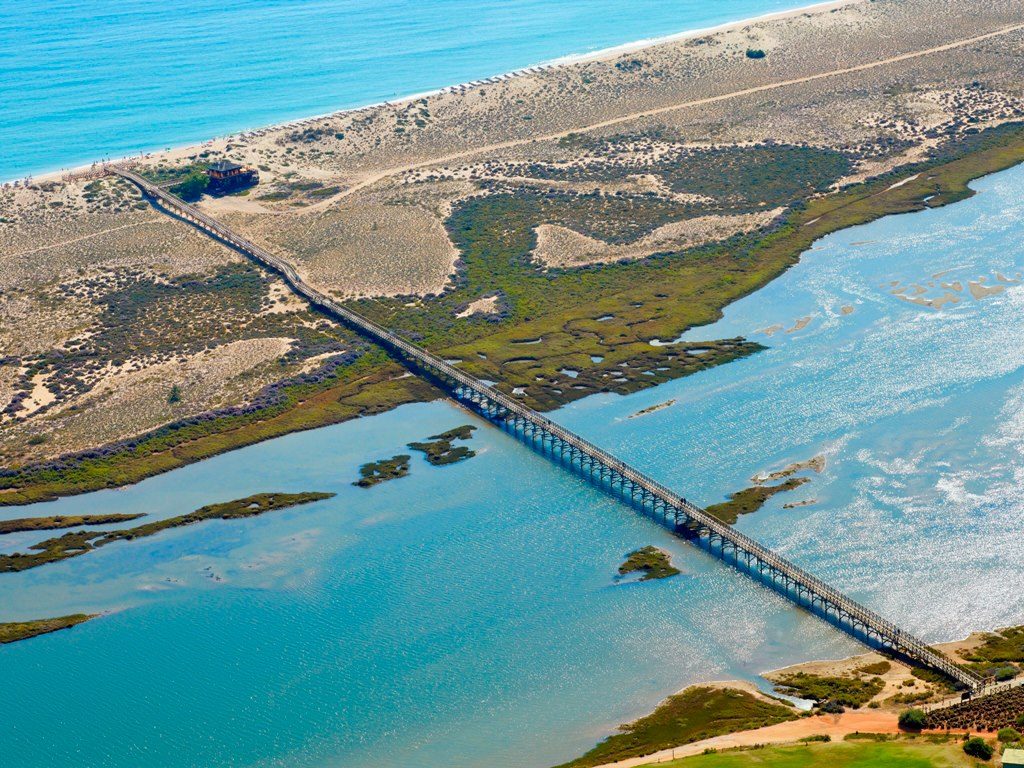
601, 467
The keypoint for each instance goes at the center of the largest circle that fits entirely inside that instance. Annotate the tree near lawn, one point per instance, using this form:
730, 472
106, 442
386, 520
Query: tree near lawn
913, 720
978, 747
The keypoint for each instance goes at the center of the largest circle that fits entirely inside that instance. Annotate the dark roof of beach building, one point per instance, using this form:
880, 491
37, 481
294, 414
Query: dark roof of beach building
223, 166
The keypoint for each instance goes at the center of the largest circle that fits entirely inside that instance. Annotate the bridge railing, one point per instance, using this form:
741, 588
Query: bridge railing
886, 630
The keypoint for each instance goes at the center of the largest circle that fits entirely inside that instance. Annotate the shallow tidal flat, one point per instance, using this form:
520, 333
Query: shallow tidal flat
410, 604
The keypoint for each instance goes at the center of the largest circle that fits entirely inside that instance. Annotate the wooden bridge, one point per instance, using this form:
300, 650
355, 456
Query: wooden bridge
605, 470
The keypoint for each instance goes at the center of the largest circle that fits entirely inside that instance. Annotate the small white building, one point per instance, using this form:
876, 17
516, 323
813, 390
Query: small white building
1013, 758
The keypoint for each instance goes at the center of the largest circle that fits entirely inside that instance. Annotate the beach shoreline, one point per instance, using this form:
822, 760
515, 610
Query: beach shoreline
178, 151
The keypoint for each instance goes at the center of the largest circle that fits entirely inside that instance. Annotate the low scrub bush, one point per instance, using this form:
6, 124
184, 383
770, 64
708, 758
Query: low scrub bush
978, 747
913, 720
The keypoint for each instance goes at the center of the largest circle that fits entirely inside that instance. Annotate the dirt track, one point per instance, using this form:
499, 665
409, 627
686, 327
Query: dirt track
389, 172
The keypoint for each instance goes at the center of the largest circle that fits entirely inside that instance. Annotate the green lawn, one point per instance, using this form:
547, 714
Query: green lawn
836, 755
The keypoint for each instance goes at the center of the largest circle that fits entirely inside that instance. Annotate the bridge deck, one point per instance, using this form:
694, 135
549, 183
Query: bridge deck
685, 516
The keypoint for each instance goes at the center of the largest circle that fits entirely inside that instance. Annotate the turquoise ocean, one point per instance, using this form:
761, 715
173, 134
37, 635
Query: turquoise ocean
82, 80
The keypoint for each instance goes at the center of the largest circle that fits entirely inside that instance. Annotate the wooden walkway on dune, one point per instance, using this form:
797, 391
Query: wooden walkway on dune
596, 464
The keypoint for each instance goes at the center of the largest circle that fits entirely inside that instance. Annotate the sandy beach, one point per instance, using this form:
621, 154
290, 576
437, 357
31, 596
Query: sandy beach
182, 151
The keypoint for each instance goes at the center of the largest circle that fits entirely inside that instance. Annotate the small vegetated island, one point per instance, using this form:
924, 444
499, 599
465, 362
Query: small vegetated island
54, 522
654, 408
78, 543
380, 471
440, 451
750, 500
654, 563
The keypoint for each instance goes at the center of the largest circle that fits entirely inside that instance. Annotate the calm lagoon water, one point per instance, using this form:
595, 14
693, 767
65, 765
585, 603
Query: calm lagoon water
85, 79
468, 616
